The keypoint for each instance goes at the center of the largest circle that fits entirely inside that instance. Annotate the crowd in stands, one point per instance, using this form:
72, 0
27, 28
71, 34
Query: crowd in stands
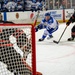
21, 5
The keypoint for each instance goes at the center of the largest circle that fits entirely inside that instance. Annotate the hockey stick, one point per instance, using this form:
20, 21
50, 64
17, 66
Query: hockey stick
60, 36
34, 24
36, 18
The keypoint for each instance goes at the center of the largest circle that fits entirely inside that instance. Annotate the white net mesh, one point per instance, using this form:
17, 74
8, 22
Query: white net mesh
15, 50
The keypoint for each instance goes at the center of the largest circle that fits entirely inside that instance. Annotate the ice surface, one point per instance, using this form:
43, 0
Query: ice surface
56, 59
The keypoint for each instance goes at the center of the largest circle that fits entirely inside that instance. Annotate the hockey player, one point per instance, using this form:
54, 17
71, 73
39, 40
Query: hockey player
49, 24
71, 20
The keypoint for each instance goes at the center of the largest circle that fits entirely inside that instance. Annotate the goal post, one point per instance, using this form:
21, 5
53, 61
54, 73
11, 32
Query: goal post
17, 49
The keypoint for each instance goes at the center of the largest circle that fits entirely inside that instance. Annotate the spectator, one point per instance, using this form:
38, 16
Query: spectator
44, 6
61, 7
1, 4
39, 5
51, 4
33, 6
19, 6
4, 6
10, 6
5, 1
28, 5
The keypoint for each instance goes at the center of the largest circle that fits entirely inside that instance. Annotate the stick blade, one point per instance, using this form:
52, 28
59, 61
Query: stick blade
55, 42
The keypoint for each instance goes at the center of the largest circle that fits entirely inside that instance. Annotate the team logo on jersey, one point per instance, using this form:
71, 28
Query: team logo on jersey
17, 15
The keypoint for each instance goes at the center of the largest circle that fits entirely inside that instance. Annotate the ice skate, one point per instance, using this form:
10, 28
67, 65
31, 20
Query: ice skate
70, 39
50, 37
41, 39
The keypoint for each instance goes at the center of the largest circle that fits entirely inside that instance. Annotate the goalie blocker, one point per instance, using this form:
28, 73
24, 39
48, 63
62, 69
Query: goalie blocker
71, 20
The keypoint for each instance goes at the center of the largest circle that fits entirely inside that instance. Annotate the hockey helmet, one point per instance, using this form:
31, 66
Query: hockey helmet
47, 14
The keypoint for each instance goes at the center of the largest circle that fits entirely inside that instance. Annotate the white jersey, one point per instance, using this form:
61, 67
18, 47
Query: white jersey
11, 6
51, 23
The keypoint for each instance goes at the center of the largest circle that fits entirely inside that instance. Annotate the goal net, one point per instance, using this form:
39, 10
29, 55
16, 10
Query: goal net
17, 49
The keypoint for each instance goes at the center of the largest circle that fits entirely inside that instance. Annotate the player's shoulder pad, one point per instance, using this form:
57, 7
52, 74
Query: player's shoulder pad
51, 20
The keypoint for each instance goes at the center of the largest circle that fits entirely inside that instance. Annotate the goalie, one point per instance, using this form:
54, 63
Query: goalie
71, 20
10, 55
49, 24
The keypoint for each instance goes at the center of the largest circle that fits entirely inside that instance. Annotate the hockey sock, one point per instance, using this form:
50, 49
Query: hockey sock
44, 36
73, 34
49, 37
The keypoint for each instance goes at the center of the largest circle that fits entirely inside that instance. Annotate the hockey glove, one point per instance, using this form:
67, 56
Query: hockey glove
40, 26
68, 23
36, 29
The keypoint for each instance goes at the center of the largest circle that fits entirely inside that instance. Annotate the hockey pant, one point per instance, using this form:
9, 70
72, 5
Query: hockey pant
49, 32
